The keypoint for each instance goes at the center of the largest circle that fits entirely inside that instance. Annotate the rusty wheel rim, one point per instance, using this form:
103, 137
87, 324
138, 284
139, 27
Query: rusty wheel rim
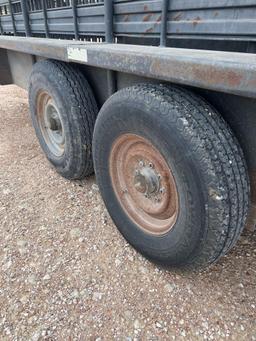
144, 184
50, 124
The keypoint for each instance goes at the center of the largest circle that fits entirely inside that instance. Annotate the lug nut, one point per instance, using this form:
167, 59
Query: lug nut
162, 190
141, 163
151, 165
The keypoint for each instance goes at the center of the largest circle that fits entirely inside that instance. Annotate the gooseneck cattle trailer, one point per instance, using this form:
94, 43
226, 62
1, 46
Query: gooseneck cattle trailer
158, 98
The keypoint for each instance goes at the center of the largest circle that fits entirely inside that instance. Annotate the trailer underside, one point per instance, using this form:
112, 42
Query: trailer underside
226, 79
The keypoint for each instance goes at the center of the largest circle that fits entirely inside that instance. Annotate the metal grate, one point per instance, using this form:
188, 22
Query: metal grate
34, 5
58, 3
16, 7
89, 2
4, 10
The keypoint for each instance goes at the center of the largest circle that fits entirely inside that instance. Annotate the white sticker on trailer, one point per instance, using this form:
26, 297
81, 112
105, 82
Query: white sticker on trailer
77, 54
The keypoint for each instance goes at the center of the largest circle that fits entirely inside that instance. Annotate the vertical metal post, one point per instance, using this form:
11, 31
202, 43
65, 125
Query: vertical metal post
109, 38
163, 34
1, 28
75, 19
111, 81
44, 8
12, 17
25, 13
108, 8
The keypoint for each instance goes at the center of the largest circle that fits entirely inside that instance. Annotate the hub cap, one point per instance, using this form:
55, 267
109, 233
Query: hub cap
144, 184
50, 124
146, 181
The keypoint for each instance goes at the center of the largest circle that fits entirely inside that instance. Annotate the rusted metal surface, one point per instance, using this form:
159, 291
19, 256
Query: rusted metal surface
144, 184
48, 48
215, 70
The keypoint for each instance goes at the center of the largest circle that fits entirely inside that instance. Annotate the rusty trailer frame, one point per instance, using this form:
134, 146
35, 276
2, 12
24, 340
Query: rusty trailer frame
228, 72
160, 39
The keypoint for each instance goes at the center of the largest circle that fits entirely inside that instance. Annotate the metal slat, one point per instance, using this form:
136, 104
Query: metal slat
12, 17
74, 7
163, 33
109, 37
25, 14
1, 28
44, 8
108, 8
181, 5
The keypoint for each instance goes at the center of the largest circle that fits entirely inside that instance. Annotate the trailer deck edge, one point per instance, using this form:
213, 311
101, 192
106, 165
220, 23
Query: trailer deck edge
214, 70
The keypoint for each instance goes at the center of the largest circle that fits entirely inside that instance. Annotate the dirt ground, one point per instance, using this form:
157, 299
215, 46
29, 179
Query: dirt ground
67, 274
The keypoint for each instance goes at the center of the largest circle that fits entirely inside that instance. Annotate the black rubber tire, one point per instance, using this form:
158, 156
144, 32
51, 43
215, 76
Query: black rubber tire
206, 161
78, 109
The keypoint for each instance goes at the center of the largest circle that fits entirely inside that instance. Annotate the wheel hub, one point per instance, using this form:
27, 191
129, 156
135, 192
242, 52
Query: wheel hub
144, 184
51, 124
146, 181
54, 123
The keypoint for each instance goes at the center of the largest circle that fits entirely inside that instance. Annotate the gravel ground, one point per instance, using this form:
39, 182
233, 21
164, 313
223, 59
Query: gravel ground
67, 274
